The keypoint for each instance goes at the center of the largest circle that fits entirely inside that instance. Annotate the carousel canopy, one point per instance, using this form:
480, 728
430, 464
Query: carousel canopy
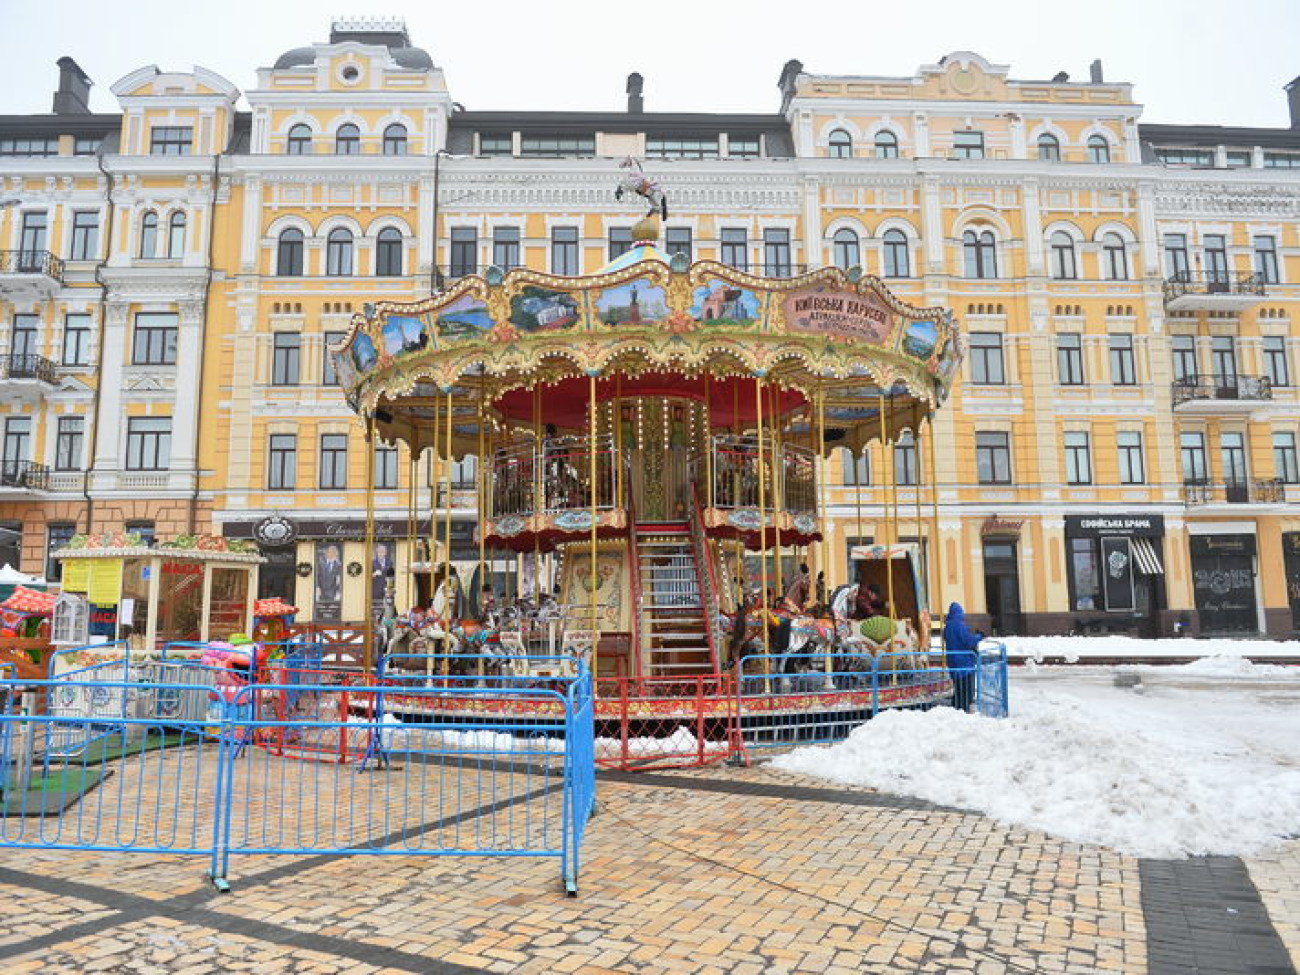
519, 347
29, 601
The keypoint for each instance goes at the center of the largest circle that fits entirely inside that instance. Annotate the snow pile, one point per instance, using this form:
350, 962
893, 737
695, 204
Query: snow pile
1094, 765
1074, 648
1233, 667
680, 743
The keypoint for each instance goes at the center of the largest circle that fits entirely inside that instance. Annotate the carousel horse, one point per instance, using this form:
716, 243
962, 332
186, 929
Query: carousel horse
892, 644
635, 181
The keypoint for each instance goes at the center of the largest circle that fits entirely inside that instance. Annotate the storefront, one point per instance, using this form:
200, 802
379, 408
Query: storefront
1224, 582
1291, 557
1116, 573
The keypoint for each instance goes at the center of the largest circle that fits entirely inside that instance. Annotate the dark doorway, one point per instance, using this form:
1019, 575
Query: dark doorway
1291, 555
11, 544
1002, 588
1223, 582
277, 576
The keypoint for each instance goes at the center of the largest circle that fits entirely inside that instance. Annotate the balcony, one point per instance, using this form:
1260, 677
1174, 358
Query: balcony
28, 274
1230, 291
1213, 395
23, 475
1269, 491
36, 368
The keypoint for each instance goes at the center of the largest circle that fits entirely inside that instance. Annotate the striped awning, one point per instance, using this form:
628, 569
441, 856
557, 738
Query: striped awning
1144, 554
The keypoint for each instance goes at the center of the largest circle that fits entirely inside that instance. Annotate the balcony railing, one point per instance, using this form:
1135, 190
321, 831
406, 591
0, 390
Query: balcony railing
31, 262
27, 367
1268, 491
737, 473
555, 479
24, 474
1226, 387
1226, 283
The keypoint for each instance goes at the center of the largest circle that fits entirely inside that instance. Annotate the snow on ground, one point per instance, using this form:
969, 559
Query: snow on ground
1186, 763
1073, 648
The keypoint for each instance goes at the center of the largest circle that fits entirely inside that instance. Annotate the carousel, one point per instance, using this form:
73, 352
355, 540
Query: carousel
654, 438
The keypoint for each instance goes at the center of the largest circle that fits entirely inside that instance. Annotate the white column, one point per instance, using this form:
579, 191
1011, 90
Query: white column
932, 226
110, 420
812, 222
1033, 229
425, 231
252, 225
185, 406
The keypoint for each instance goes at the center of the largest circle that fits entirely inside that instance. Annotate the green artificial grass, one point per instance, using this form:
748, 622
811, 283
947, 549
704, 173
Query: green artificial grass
50, 794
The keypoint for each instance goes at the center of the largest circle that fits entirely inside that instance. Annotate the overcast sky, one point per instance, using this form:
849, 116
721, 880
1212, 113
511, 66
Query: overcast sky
1206, 61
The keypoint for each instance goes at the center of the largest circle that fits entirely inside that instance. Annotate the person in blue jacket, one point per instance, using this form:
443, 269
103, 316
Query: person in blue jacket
960, 644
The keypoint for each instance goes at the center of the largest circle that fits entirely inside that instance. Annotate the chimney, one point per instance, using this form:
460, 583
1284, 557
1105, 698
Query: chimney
635, 103
73, 96
1293, 100
789, 77
1094, 71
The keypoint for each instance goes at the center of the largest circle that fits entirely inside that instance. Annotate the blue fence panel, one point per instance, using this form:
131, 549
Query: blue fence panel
991, 692
580, 774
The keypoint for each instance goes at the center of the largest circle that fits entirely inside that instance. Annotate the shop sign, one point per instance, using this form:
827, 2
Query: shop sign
275, 531
1223, 581
843, 314
1001, 526
320, 528
1126, 526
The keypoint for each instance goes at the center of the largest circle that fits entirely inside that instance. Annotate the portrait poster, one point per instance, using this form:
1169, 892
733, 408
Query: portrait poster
329, 582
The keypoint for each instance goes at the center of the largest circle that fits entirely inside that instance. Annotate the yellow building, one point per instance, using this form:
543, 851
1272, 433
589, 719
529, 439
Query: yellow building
1120, 454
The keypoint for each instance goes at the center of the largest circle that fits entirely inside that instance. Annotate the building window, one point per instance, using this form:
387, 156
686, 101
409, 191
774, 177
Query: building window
735, 248
1266, 259
1176, 263
149, 234
68, 443
689, 147
986, 364
564, 251
347, 140
1275, 364
557, 146
57, 536
282, 462
148, 443
1191, 449
898, 262
1238, 158
1132, 468
968, 145
620, 241
1085, 572
153, 342
338, 253
17, 443
76, 340
905, 459
505, 247
395, 140
29, 147
1049, 147
1123, 372
1282, 160
1223, 361
464, 251
678, 241
1078, 458
845, 250
886, 145
980, 254
1232, 455
1285, 466
171, 140
334, 461
388, 253
1183, 348
1114, 257
85, 236
776, 252
176, 236
496, 144
286, 356
744, 147
32, 241
840, 145
1098, 149
993, 457
328, 377
299, 141
857, 469
144, 529
1216, 260
385, 467
23, 341
1069, 359
1064, 265
1178, 156
288, 253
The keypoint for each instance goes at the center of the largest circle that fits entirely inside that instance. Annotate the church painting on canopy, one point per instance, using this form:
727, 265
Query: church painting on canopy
722, 303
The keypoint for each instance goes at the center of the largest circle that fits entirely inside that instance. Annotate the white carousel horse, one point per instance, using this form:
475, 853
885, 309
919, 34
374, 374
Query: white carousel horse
635, 181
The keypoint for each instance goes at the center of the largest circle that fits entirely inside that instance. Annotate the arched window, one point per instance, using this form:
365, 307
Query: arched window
347, 141
844, 249
288, 254
395, 140
149, 234
1049, 147
299, 141
1064, 265
1098, 149
176, 235
886, 145
897, 262
841, 144
338, 253
388, 253
1114, 257
980, 254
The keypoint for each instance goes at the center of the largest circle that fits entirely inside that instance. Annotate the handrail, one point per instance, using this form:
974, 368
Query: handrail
634, 557
705, 580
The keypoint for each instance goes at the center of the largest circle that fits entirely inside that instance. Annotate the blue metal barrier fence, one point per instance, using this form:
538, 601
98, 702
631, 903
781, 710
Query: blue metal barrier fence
991, 696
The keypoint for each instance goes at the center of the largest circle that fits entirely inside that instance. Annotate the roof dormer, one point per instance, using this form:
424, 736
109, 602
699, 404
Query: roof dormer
175, 113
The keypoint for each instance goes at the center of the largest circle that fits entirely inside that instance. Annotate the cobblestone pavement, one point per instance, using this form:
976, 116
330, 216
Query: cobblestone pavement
720, 870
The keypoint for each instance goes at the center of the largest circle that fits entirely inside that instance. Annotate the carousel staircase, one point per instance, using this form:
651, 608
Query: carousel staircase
673, 635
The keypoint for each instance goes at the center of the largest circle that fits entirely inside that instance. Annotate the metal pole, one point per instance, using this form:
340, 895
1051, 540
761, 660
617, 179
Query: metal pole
762, 522
368, 655
887, 503
591, 455
819, 473
435, 276
937, 542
